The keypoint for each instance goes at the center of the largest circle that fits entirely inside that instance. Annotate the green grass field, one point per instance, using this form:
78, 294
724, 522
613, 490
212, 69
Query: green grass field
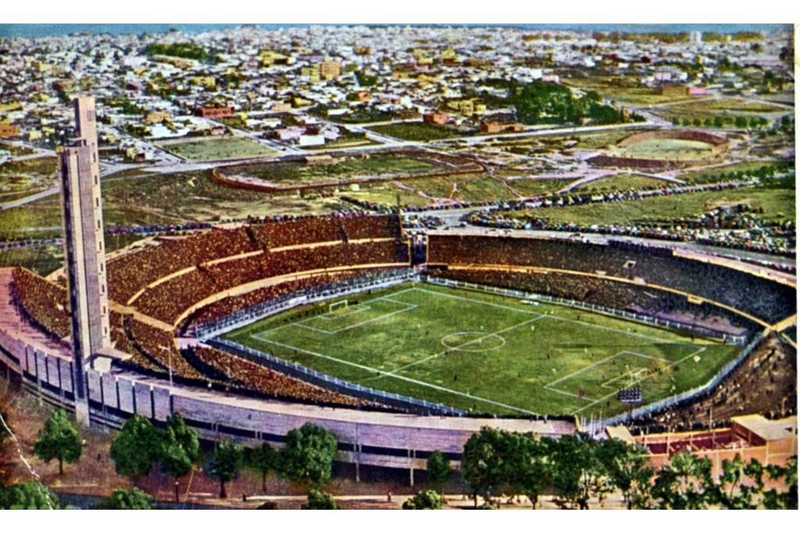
486, 353
216, 148
671, 149
417, 131
376, 164
778, 205
621, 182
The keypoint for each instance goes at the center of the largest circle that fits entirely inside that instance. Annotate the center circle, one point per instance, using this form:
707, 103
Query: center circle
473, 341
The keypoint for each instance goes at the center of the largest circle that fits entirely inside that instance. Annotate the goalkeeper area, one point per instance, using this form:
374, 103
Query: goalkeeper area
487, 353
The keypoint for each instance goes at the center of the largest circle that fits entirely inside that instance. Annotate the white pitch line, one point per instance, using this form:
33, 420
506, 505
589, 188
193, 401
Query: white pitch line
427, 358
255, 335
351, 311
702, 349
406, 379
362, 323
502, 307
636, 334
645, 336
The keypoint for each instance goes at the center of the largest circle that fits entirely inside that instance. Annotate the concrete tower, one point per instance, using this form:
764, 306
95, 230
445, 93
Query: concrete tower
84, 248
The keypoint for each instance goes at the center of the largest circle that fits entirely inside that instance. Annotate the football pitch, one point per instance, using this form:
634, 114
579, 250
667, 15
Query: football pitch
487, 353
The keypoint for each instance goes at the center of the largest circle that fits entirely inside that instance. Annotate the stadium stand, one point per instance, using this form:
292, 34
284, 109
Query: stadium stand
608, 293
168, 300
267, 381
230, 305
761, 297
160, 346
44, 302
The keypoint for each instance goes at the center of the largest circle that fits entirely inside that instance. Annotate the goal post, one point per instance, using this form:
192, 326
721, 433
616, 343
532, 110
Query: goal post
338, 305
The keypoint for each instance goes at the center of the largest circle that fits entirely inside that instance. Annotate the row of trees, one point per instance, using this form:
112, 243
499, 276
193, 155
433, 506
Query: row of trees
496, 464
720, 121
140, 447
307, 459
577, 469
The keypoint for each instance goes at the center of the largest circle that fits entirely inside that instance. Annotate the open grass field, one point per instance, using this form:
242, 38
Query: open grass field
372, 165
721, 173
19, 179
538, 186
730, 105
778, 204
216, 148
487, 353
623, 89
666, 149
417, 131
621, 182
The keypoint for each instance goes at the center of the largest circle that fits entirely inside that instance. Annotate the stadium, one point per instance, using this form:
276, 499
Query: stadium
342, 319
665, 149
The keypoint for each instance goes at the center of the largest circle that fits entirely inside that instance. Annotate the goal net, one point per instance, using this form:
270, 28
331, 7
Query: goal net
336, 306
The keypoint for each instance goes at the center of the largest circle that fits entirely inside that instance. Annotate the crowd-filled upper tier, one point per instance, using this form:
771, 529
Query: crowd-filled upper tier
760, 297
130, 273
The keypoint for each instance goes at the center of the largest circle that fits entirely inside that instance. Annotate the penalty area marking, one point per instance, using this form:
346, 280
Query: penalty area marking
408, 307
351, 310
673, 364
550, 386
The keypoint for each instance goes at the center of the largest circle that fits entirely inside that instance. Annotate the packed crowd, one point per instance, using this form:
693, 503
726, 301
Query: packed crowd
264, 380
121, 340
44, 303
169, 300
766, 299
130, 273
231, 305
277, 232
160, 346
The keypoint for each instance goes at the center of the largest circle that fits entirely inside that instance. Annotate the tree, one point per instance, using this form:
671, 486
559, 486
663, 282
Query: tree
180, 450
136, 449
528, 470
308, 455
28, 495
424, 500
685, 483
628, 469
319, 500
226, 463
438, 468
777, 500
741, 484
58, 440
482, 463
578, 475
741, 122
121, 499
262, 460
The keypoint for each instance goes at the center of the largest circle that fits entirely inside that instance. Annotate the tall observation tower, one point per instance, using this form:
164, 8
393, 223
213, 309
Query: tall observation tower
84, 248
